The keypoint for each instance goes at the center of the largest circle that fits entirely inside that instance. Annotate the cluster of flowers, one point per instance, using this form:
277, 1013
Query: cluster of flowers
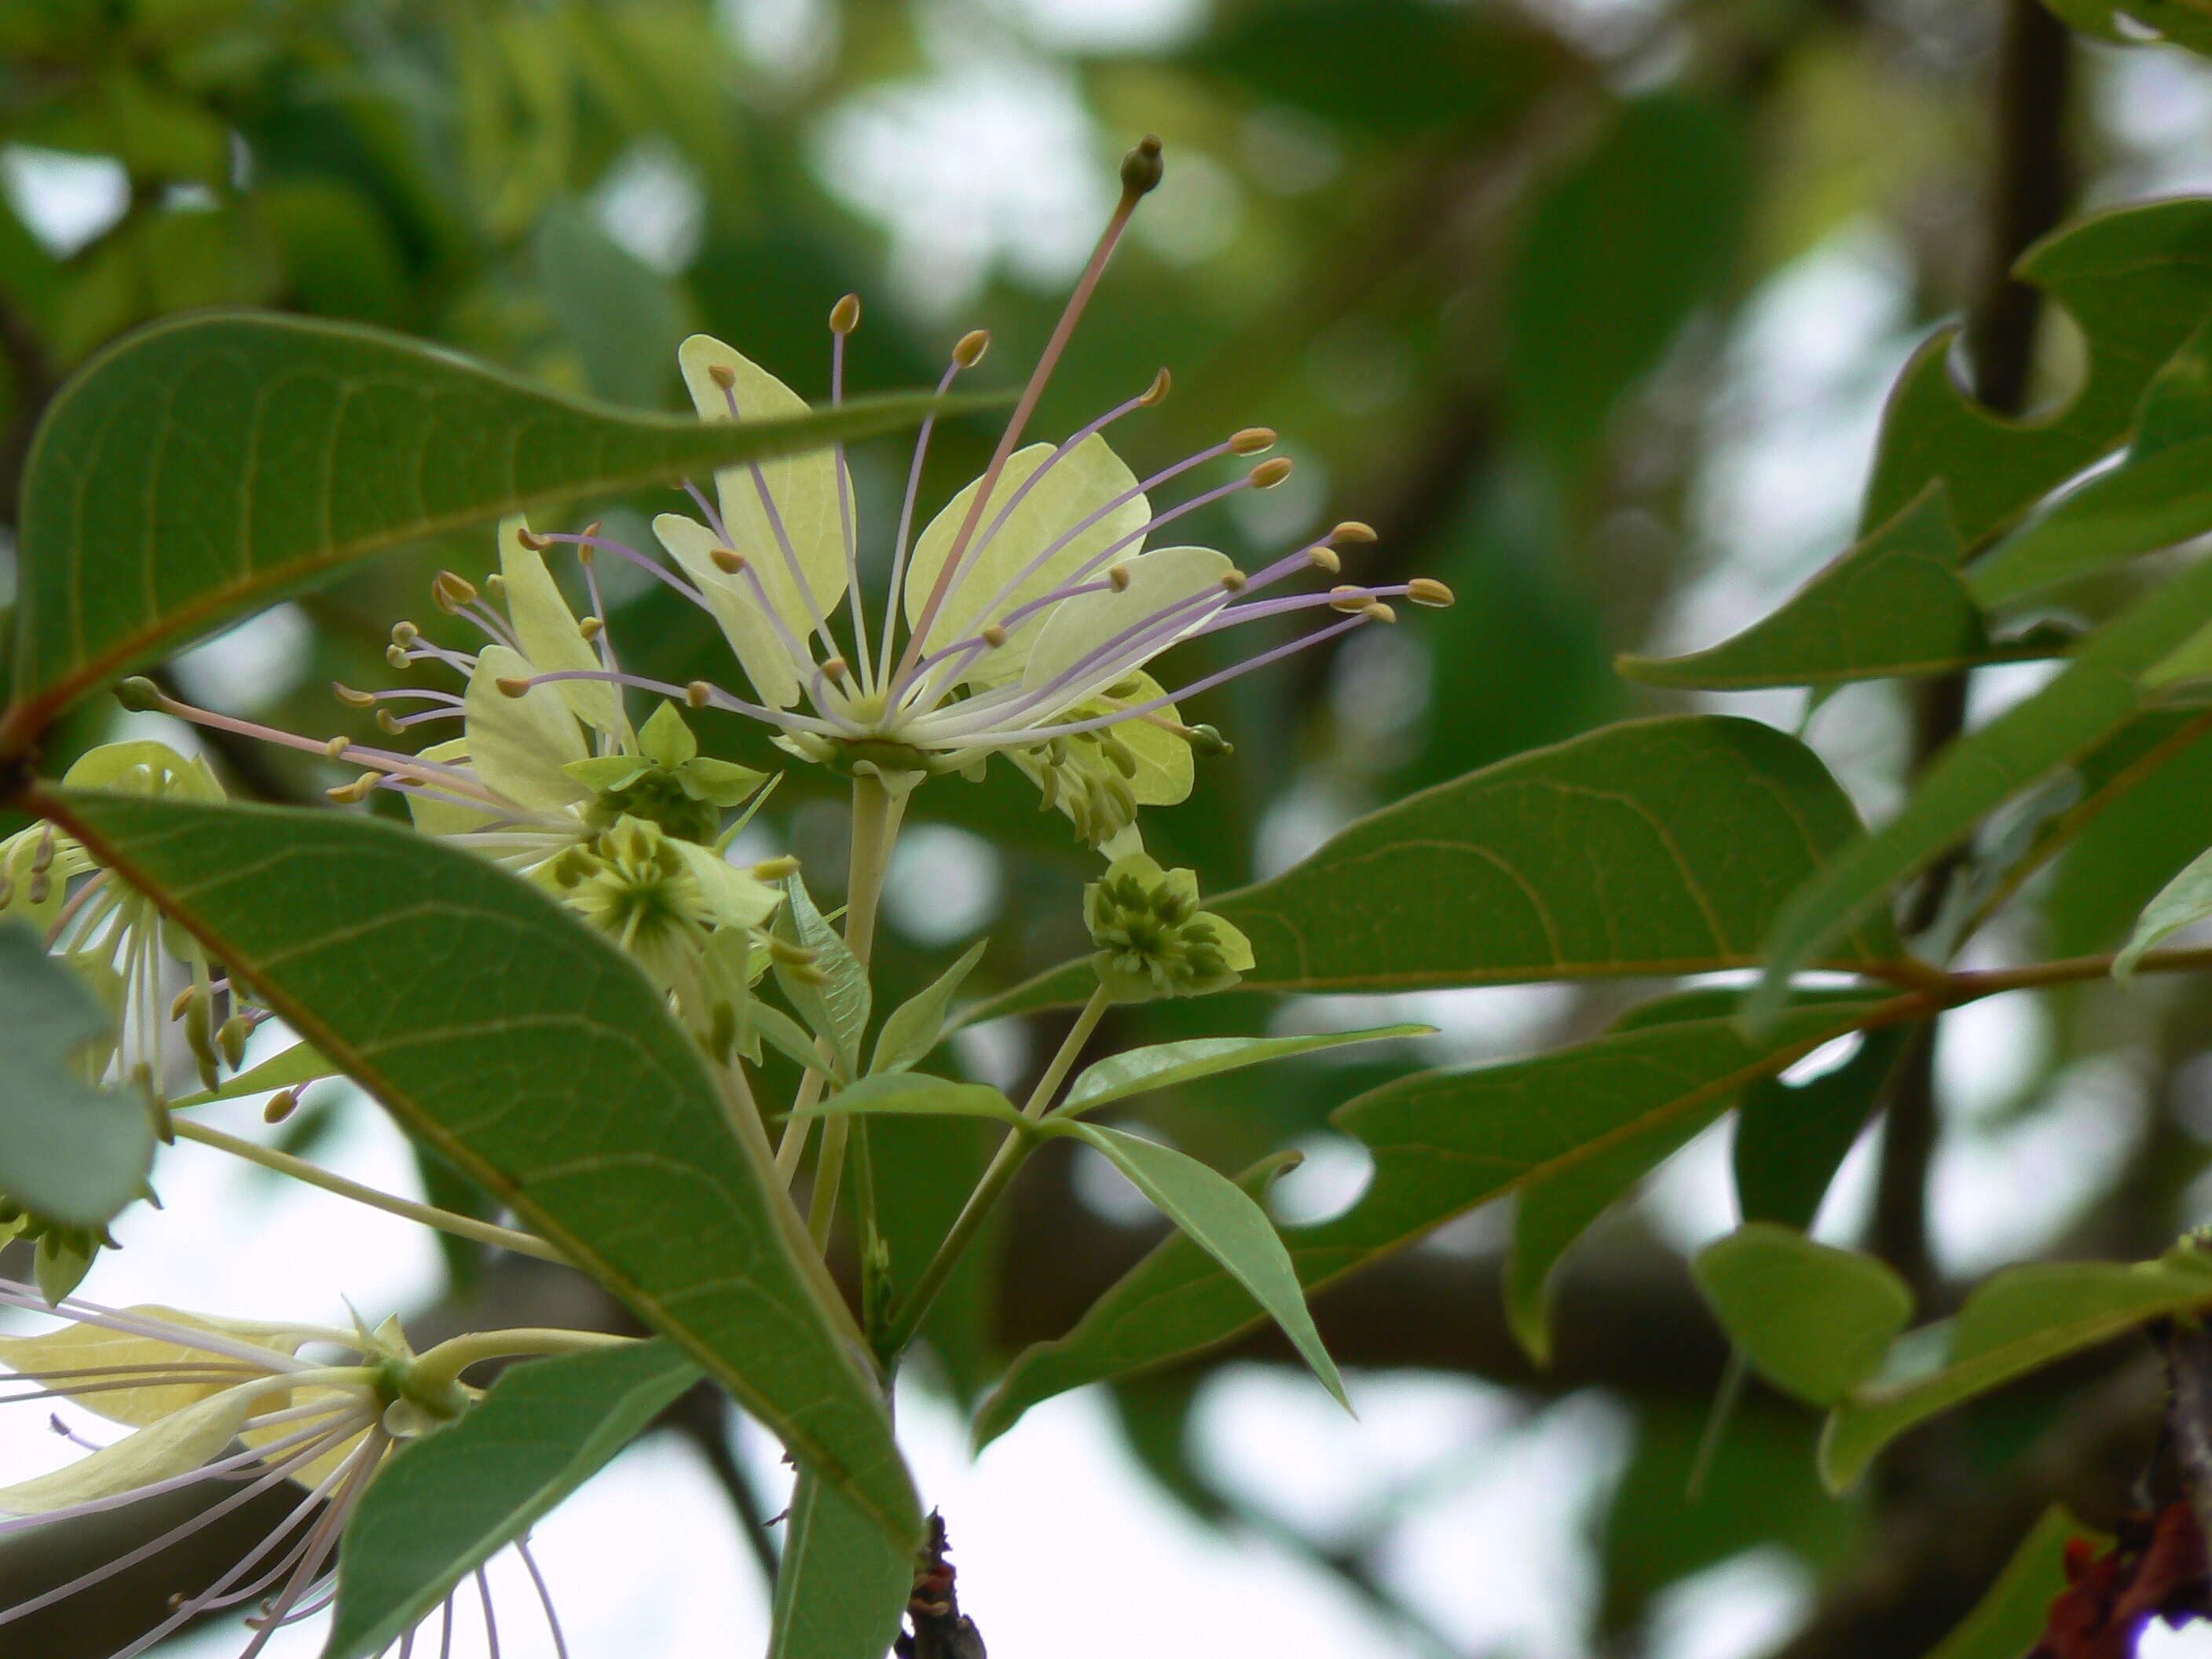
1023, 622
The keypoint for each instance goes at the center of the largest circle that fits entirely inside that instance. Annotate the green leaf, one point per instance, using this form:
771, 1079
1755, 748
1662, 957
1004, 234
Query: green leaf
72, 1152
445, 1504
1442, 1142
208, 463
917, 1025
2137, 280
1652, 847
1814, 1320
2020, 1320
2184, 899
793, 1041
2097, 693
298, 1064
1164, 1065
1892, 604
1791, 1139
837, 1006
842, 1584
2135, 508
2015, 1612
1228, 1223
912, 1094
525, 1048
2137, 823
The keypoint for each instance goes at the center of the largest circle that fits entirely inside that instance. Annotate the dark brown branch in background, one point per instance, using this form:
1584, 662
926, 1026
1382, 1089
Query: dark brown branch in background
2031, 181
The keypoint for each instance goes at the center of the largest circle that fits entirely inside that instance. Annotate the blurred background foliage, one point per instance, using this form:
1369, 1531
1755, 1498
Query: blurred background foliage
1586, 305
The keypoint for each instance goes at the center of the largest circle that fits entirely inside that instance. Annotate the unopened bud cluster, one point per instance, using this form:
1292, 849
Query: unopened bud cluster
1153, 939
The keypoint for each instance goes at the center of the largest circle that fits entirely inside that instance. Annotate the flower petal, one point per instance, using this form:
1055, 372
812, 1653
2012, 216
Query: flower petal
176, 1444
438, 816
1076, 629
549, 636
1079, 483
78, 1347
803, 487
732, 897
518, 746
761, 650
1165, 769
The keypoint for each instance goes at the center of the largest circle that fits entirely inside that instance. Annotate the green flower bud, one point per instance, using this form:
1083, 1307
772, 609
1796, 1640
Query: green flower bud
1153, 939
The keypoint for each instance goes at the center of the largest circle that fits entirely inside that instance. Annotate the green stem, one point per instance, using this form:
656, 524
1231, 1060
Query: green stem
462, 1226
876, 813
444, 1362
1013, 1151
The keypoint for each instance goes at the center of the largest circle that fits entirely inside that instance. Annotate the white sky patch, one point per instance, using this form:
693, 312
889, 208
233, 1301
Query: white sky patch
2000, 1192
1416, 1433
64, 199
251, 666
944, 885
1738, 1609
1502, 1561
1690, 1200
1336, 1171
651, 204
992, 161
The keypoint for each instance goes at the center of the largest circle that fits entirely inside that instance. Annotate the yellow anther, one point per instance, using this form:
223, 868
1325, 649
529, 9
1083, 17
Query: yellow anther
970, 348
405, 633
1427, 590
530, 539
1119, 576
388, 723
42, 855
495, 585
345, 693
512, 686
42, 886
182, 1001
727, 560
451, 590
585, 551
349, 794
1252, 441
723, 376
591, 628
1324, 558
994, 636
1349, 598
1378, 611
698, 693
1157, 393
395, 656
776, 869
337, 747
1270, 472
836, 668
282, 1105
844, 315
1233, 581
1352, 529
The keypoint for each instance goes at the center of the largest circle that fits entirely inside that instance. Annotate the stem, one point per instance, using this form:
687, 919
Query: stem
462, 1226
1013, 1152
444, 1362
876, 814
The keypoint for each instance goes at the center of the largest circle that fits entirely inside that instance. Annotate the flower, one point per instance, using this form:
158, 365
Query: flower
1032, 608
232, 1402
552, 780
1153, 939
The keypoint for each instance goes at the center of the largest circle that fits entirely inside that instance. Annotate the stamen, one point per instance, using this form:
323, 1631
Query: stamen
653, 567
844, 318
776, 528
1270, 472
892, 607
544, 1596
714, 695
1252, 441
1427, 591
1140, 174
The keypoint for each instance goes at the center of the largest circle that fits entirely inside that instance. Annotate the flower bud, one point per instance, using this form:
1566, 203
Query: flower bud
1153, 939
1142, 169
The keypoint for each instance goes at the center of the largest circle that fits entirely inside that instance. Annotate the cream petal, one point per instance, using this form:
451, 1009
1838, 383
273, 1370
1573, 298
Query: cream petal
177, 1444
549, 636
77, 1347
518, 746
1165, 771
1079, 484
736, 606
1076, 628
803, 488
734, 898
441, 816
311, 1475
